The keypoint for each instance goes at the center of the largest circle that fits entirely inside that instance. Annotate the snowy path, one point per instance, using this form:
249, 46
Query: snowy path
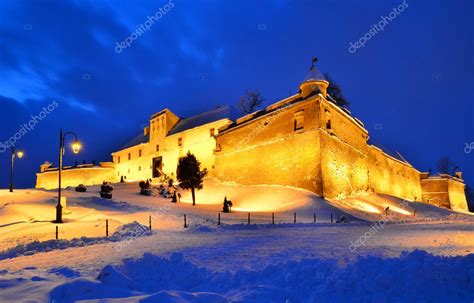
256, 249
247, 248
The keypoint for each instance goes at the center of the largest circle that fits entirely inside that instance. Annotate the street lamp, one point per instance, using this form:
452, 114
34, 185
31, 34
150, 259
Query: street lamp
76, 146
19, 154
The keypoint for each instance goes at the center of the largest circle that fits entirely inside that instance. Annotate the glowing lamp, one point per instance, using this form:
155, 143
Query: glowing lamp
20, 154
76, 147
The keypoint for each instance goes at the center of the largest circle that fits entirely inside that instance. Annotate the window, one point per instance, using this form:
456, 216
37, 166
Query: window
298, 120
157, 147
180, 141
328, 117
328, 124
129, 156
139, 168
129, 170
118, 159
213, 132
139, 152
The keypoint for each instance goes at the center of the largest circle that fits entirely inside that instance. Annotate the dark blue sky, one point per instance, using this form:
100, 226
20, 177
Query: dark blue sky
411, 84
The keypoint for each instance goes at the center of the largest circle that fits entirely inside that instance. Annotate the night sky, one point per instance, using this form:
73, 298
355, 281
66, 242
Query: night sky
411, 84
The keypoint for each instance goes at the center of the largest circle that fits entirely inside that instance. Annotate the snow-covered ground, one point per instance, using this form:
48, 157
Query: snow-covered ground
400, 256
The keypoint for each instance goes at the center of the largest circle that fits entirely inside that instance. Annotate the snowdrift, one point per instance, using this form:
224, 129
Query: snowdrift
125, 232
284, 199
372, 207
413, 277
250, 197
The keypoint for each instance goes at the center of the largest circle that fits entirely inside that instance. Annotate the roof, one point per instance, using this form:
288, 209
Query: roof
391, 152
216, 114
259, 113
137, 140
160, 112
314, 75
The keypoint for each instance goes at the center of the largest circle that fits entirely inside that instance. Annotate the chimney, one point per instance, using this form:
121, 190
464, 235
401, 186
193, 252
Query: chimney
146, 131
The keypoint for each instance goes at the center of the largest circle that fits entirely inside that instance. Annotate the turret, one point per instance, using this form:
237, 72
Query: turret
314, 82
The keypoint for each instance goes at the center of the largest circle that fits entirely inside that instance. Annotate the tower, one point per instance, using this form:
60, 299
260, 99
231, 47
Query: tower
314, 82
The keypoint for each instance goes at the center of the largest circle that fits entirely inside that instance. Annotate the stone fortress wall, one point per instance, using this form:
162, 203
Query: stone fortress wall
312, 143
304, 141
267, 150
73, 176
328, 155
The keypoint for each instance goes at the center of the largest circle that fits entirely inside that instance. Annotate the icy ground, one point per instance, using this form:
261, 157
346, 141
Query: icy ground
372, 258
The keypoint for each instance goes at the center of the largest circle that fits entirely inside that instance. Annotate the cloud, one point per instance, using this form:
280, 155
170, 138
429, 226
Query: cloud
86, 106
192, 51
21, 85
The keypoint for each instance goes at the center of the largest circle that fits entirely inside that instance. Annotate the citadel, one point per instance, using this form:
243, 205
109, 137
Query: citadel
305, 141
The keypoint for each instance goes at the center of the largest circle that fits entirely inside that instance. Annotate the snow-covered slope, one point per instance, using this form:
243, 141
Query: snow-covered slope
26, 215
234, 261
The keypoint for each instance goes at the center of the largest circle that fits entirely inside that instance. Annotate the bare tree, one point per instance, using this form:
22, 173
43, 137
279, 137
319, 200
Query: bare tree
446, 166
250, 101
335, 91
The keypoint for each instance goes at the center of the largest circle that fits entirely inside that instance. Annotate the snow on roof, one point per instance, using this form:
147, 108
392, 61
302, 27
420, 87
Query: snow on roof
216, 114
137, 140
160, 112
391, 152
314, 75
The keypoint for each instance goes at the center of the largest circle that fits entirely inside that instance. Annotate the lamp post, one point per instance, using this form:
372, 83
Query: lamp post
19, 154
76, 146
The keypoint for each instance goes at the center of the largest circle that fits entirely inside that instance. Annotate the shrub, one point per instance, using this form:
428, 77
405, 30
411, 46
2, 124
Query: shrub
81, 188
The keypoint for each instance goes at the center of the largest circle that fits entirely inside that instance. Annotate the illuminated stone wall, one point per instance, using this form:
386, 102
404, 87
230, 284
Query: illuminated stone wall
198, 141
344, 168
268, 149
457, 195
435, 191
343, 153
73, 177
392, 177
329, 156
444, 191
134, 163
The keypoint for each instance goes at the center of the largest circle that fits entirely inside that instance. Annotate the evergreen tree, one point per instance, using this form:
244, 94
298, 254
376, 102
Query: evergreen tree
190, 175
335, 91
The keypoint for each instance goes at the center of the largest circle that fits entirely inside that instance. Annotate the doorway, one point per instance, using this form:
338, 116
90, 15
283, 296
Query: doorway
157, 167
